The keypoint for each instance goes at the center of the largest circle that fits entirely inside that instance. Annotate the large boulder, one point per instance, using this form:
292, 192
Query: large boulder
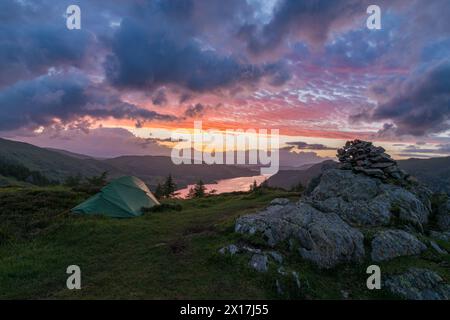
365, 201
418, 284
323, 238
390, 244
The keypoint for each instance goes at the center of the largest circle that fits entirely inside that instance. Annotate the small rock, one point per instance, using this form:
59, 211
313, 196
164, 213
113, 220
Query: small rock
381, 165
395, 243
436, 247
296, 279
280, 202
444, 236
373, 172
418, 284
280, 290
282, 271
251, 250
259, 262
345, 294
232, 249
276, 256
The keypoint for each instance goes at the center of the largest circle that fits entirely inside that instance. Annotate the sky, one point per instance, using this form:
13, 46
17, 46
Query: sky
138, 70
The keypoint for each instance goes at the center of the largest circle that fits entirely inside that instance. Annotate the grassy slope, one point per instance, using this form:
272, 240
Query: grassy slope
164, 255
54, 165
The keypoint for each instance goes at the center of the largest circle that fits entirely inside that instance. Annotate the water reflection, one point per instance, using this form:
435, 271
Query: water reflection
227, 185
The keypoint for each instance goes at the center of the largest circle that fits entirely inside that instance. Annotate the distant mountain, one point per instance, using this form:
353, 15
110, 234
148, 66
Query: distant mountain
287, 179
153, 169
71, 154
434, 172
59, 164
55, 165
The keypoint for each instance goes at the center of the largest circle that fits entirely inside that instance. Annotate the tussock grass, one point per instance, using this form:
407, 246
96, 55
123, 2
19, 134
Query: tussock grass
170, 254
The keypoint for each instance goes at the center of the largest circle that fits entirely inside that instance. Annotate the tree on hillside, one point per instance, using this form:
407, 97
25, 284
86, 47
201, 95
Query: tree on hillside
298, 188
253, 186
73, 181
198, 191
169, 187
98, 181
159, 191
22, 173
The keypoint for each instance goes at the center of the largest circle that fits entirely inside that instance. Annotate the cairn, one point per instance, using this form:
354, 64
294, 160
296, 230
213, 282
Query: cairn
364, 157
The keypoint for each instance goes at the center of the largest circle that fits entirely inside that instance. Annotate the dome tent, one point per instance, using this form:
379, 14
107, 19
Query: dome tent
121, 198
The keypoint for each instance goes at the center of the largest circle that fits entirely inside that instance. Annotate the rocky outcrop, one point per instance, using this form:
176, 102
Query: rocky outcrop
369, 194
390, 244
323, 238
364, 201
418, 284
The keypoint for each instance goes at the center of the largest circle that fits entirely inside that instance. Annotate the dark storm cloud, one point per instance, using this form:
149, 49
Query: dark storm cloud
33, 38
308, 20
193, 47
194, 111
419, 105
62, 97
184, 97
159, 98
306, 146
142, 59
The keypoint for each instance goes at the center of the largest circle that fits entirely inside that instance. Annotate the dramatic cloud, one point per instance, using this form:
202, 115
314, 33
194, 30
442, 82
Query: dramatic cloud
159, 98
63, 97
195, 111
306, 146
29, 47
419, 105
144, 58
304, 67
308, 20
98, 142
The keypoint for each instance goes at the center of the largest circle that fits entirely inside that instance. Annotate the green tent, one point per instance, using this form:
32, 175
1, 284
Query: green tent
121, 198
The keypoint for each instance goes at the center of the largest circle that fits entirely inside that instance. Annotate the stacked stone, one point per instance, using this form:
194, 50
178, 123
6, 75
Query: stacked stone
363, 156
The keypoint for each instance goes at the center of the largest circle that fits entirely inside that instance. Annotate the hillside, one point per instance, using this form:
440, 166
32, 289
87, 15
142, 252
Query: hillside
164, 255
160, 255
287, 179
434, 172
70, 154
59, 164
54, 165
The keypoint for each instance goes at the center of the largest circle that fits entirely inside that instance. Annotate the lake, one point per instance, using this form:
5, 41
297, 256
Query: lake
227, 185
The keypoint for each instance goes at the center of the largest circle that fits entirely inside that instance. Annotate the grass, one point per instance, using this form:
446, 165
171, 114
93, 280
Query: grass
171, 254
